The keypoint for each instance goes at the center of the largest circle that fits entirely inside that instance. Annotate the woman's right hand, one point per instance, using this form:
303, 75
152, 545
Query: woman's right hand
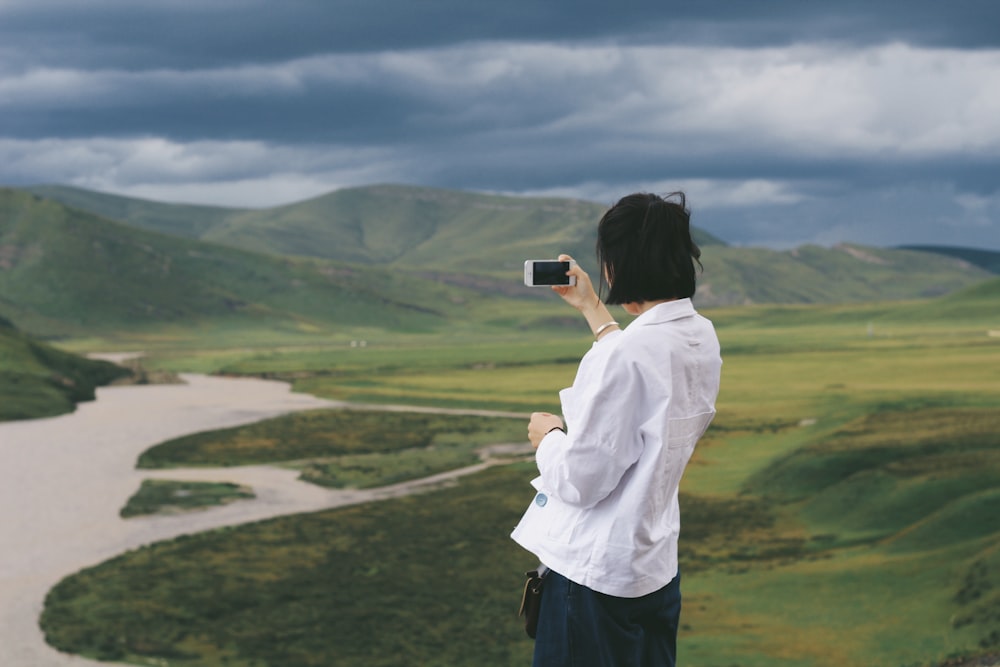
582, 295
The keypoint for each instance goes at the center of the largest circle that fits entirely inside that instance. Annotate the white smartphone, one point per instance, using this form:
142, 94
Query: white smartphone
542, 272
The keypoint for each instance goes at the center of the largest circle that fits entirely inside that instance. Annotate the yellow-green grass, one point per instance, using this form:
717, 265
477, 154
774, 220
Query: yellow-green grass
862, 607
917, 494
783, 386
792, 362
842, 509
519, 389
345, 448
513, 372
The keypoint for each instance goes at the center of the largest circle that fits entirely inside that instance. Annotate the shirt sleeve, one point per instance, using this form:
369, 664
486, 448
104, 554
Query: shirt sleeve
584, 465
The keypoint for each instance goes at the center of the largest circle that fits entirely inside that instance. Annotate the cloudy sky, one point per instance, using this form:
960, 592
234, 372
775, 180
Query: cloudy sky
785, 121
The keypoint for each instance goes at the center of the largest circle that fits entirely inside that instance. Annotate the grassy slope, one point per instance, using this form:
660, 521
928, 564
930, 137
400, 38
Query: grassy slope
971, 303
986, 259
845, 273
67, 271
841, 510
383, 224
825, 378
474, 239
37, 380
899, 553
176, 219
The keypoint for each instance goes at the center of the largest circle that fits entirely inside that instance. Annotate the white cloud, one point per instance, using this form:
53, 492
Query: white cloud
44, 86
732, 193
887, 101
705, 193
239, 173
881, 102
471, 67
262, 192
566, 108
979, 211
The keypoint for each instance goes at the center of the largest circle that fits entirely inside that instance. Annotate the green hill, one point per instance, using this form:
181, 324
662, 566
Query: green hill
478, 240
37, 380
841, 274
971, 303
426, 228
66, 271
394, 225
984, 259
177, 219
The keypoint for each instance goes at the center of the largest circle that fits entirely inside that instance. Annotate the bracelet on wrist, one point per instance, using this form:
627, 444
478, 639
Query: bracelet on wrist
601, 329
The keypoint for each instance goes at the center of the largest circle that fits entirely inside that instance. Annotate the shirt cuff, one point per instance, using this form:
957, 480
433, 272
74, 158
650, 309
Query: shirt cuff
545, 453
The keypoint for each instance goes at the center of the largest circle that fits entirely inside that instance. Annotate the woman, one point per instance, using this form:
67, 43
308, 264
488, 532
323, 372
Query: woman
605, 519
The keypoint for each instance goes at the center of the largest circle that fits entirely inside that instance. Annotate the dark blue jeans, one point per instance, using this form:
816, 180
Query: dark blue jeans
578, 627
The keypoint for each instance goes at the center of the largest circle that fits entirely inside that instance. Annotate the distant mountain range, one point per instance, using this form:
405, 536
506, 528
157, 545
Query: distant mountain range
985, 259
392, 257
66, 271
384, 225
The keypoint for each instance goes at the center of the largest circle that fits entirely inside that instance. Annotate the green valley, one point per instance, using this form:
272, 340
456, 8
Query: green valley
841, 509
479, 241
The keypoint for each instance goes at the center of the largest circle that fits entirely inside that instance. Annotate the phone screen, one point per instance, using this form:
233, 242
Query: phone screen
550, 273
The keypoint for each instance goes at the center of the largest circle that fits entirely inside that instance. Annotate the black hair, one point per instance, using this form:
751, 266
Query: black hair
645, 250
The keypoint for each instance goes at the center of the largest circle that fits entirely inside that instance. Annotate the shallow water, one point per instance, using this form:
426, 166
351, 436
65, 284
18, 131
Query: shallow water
64, 479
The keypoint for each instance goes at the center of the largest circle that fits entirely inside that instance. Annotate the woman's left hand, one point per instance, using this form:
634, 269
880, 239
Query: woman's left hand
540, 425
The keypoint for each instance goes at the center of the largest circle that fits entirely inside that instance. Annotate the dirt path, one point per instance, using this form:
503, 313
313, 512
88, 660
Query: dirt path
63, 481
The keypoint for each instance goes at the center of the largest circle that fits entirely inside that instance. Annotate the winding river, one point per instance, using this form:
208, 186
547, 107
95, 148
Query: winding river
64, 479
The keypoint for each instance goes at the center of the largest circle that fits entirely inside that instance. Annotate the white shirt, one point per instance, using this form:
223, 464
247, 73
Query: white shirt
606, 513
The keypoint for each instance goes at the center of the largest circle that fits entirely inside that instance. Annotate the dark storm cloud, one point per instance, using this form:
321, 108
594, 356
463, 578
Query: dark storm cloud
776, 114
185, 34
354, 115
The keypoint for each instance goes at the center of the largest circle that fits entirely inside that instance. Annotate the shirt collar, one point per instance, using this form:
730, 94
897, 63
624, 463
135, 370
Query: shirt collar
666, 312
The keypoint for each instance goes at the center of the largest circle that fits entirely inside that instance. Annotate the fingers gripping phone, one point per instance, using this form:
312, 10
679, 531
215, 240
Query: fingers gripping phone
542, 272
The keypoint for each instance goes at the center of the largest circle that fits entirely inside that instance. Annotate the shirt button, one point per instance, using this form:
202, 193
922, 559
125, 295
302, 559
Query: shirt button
541, 499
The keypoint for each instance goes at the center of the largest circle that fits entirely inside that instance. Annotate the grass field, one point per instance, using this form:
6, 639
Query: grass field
842, 510
158, 496
345, 448
38, 380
